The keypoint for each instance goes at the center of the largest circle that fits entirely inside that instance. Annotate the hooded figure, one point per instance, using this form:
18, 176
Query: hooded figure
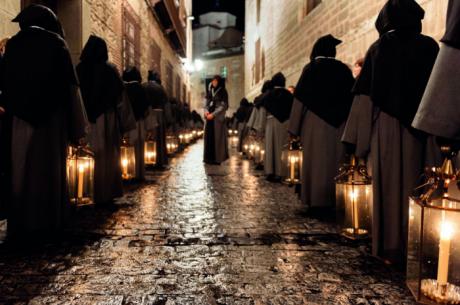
157, 98
322, 103
258, 119
40, 92
141, 109
275, 135
438, 113
215, 133
242, 116
387, 94
102, 92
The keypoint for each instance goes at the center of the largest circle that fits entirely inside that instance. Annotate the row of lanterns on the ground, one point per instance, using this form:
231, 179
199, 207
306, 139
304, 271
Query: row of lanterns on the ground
80, 163
433, 262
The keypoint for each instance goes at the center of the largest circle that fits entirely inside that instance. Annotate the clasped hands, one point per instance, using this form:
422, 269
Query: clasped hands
209, 116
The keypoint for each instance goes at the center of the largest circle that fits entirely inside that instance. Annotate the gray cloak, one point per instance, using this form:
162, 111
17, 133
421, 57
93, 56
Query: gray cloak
322, 154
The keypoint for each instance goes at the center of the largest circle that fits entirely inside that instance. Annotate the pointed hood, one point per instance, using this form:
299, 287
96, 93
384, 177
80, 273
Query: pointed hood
40, 16
400, 15
325, 46
95, 50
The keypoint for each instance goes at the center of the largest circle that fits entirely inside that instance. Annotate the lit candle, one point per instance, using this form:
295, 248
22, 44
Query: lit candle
354, 206
293, 161
124, 164
81, 176
447, 231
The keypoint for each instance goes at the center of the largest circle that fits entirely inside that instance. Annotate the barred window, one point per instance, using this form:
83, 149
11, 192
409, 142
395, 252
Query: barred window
131, 40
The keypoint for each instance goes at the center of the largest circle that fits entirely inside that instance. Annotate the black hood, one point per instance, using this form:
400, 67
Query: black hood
400, 15
278, 80
95, 50
325, 46
40, 16
132, 74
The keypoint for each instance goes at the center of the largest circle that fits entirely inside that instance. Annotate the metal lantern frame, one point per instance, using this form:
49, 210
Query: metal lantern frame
292, 159
127, 160
150, 151
354, 200
80, 175
433, 258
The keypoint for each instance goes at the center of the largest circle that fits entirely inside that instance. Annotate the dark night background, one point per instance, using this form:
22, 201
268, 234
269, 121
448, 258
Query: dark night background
235, 7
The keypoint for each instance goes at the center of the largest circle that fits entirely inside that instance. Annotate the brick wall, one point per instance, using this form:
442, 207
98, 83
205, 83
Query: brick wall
287, 34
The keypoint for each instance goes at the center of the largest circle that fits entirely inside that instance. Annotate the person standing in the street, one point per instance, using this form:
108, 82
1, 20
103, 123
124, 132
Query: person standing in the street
40, 91
140, 106
387, 95
102, 92
322, 102
278, 103
215, 134
157, 98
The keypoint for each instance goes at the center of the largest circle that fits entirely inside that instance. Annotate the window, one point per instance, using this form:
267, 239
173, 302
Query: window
131, 40
155, 64
257, 63
223, 71
258, 9
178, 89
169, 79
310, 5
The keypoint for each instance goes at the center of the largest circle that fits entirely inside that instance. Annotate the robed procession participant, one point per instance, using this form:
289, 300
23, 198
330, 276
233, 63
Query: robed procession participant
136, 94
157, 98
278, 103
322, 103
241, 119
40, 91
438, 113
387, 94
215, 133
102, 92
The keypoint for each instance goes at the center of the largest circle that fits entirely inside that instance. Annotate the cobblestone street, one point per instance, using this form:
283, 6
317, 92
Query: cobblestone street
200, 235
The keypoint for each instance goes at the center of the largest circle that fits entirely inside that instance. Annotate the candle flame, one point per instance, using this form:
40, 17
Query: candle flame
447, 230
124, 162
353, 195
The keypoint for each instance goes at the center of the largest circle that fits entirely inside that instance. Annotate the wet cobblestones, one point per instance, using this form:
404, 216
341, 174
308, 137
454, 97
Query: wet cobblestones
200, 235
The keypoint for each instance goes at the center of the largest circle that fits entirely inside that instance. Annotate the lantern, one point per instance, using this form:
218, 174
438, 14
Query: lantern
292, 159
128, 160
354, 200
433, 254
150, 152
171, 145
80, 175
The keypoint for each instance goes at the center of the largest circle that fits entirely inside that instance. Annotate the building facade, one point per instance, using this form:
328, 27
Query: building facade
150, 34
282, 39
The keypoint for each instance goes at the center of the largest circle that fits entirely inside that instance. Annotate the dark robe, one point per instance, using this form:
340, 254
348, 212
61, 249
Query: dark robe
322, 103
102, 92
156, 96
242, 117
5, 153
141, 109
216, 133
41, 94
439, 111
388, 92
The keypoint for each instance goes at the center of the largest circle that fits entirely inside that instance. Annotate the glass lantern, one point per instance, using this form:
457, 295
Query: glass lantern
354, 200
292, 160
150, 151
171, 145
433, 254
80, 175
128, 160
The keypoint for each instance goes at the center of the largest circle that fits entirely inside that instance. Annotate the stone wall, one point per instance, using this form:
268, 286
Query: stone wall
287, 33
8, 10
